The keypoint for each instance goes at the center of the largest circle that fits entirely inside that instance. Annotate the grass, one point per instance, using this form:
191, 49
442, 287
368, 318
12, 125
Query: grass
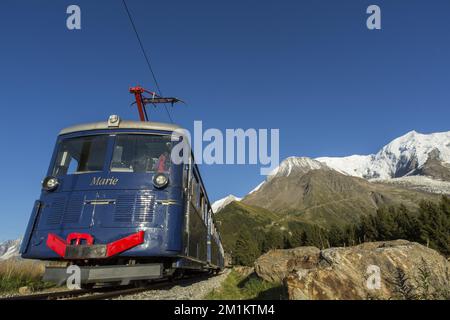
15, 274
246, 287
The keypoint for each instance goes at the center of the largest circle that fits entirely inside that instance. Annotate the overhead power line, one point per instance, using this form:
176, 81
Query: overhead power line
146, 56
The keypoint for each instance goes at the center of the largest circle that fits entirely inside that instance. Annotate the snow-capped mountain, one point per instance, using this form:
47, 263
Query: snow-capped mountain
405, 156
220, 204
292, 165
396, 159
257, 187
401, 157
296, 165
9, 249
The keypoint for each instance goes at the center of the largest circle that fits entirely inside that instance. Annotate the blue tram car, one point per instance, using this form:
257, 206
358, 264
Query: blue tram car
114, 204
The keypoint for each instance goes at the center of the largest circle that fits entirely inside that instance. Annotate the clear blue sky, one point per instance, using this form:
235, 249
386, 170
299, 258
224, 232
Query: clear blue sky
310, 68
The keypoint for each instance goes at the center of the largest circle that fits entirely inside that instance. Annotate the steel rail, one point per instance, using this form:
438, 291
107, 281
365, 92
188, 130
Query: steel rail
106, 292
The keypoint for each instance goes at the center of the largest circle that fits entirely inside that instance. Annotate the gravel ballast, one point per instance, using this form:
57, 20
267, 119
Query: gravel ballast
194, 291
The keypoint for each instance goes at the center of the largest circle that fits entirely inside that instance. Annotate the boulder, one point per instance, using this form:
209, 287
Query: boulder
275, 265
376, 270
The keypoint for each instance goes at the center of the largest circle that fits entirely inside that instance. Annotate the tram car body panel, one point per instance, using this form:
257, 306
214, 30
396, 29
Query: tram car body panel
106, 207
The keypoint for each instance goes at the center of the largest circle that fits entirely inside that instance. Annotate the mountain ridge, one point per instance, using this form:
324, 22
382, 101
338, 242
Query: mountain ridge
10, 249
412, 154
220, 204
328, 197
397, 158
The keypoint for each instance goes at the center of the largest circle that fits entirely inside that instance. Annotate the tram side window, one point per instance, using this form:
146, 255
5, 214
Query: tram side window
195, 194
141, 153
79, 155
186, 170
208, 215
202, 205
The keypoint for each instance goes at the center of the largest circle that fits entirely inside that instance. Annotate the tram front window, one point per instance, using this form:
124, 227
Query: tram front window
80, 155
141, 154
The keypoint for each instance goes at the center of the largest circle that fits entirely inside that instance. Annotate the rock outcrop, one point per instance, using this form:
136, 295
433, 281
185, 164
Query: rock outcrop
376, 270
276, 265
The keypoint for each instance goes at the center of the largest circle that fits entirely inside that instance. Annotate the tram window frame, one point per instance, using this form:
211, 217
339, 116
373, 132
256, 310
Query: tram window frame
208, 215
202, 204
91, 158
195, 190
205, 214
136, 144
187, 169
185, 178
205, 208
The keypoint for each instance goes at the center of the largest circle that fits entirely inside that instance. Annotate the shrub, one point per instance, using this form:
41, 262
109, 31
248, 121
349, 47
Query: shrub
18, 273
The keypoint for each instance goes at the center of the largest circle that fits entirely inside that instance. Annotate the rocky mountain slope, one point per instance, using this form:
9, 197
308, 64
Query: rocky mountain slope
10, 249
375, 270
413, 154
222, 203
291, 165
433, 167
306, 201
398, 158
325, 196
295, 166
422, 183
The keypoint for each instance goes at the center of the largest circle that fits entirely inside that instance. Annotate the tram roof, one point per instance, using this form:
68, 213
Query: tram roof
120, 124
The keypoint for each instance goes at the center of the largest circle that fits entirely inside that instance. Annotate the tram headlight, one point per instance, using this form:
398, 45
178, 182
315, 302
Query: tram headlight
160, 180
50, 183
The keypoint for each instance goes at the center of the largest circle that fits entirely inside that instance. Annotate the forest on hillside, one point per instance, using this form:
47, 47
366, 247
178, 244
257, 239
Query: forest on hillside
429, 225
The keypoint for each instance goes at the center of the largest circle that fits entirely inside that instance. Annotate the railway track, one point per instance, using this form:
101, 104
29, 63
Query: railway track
107, 292
49, 295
